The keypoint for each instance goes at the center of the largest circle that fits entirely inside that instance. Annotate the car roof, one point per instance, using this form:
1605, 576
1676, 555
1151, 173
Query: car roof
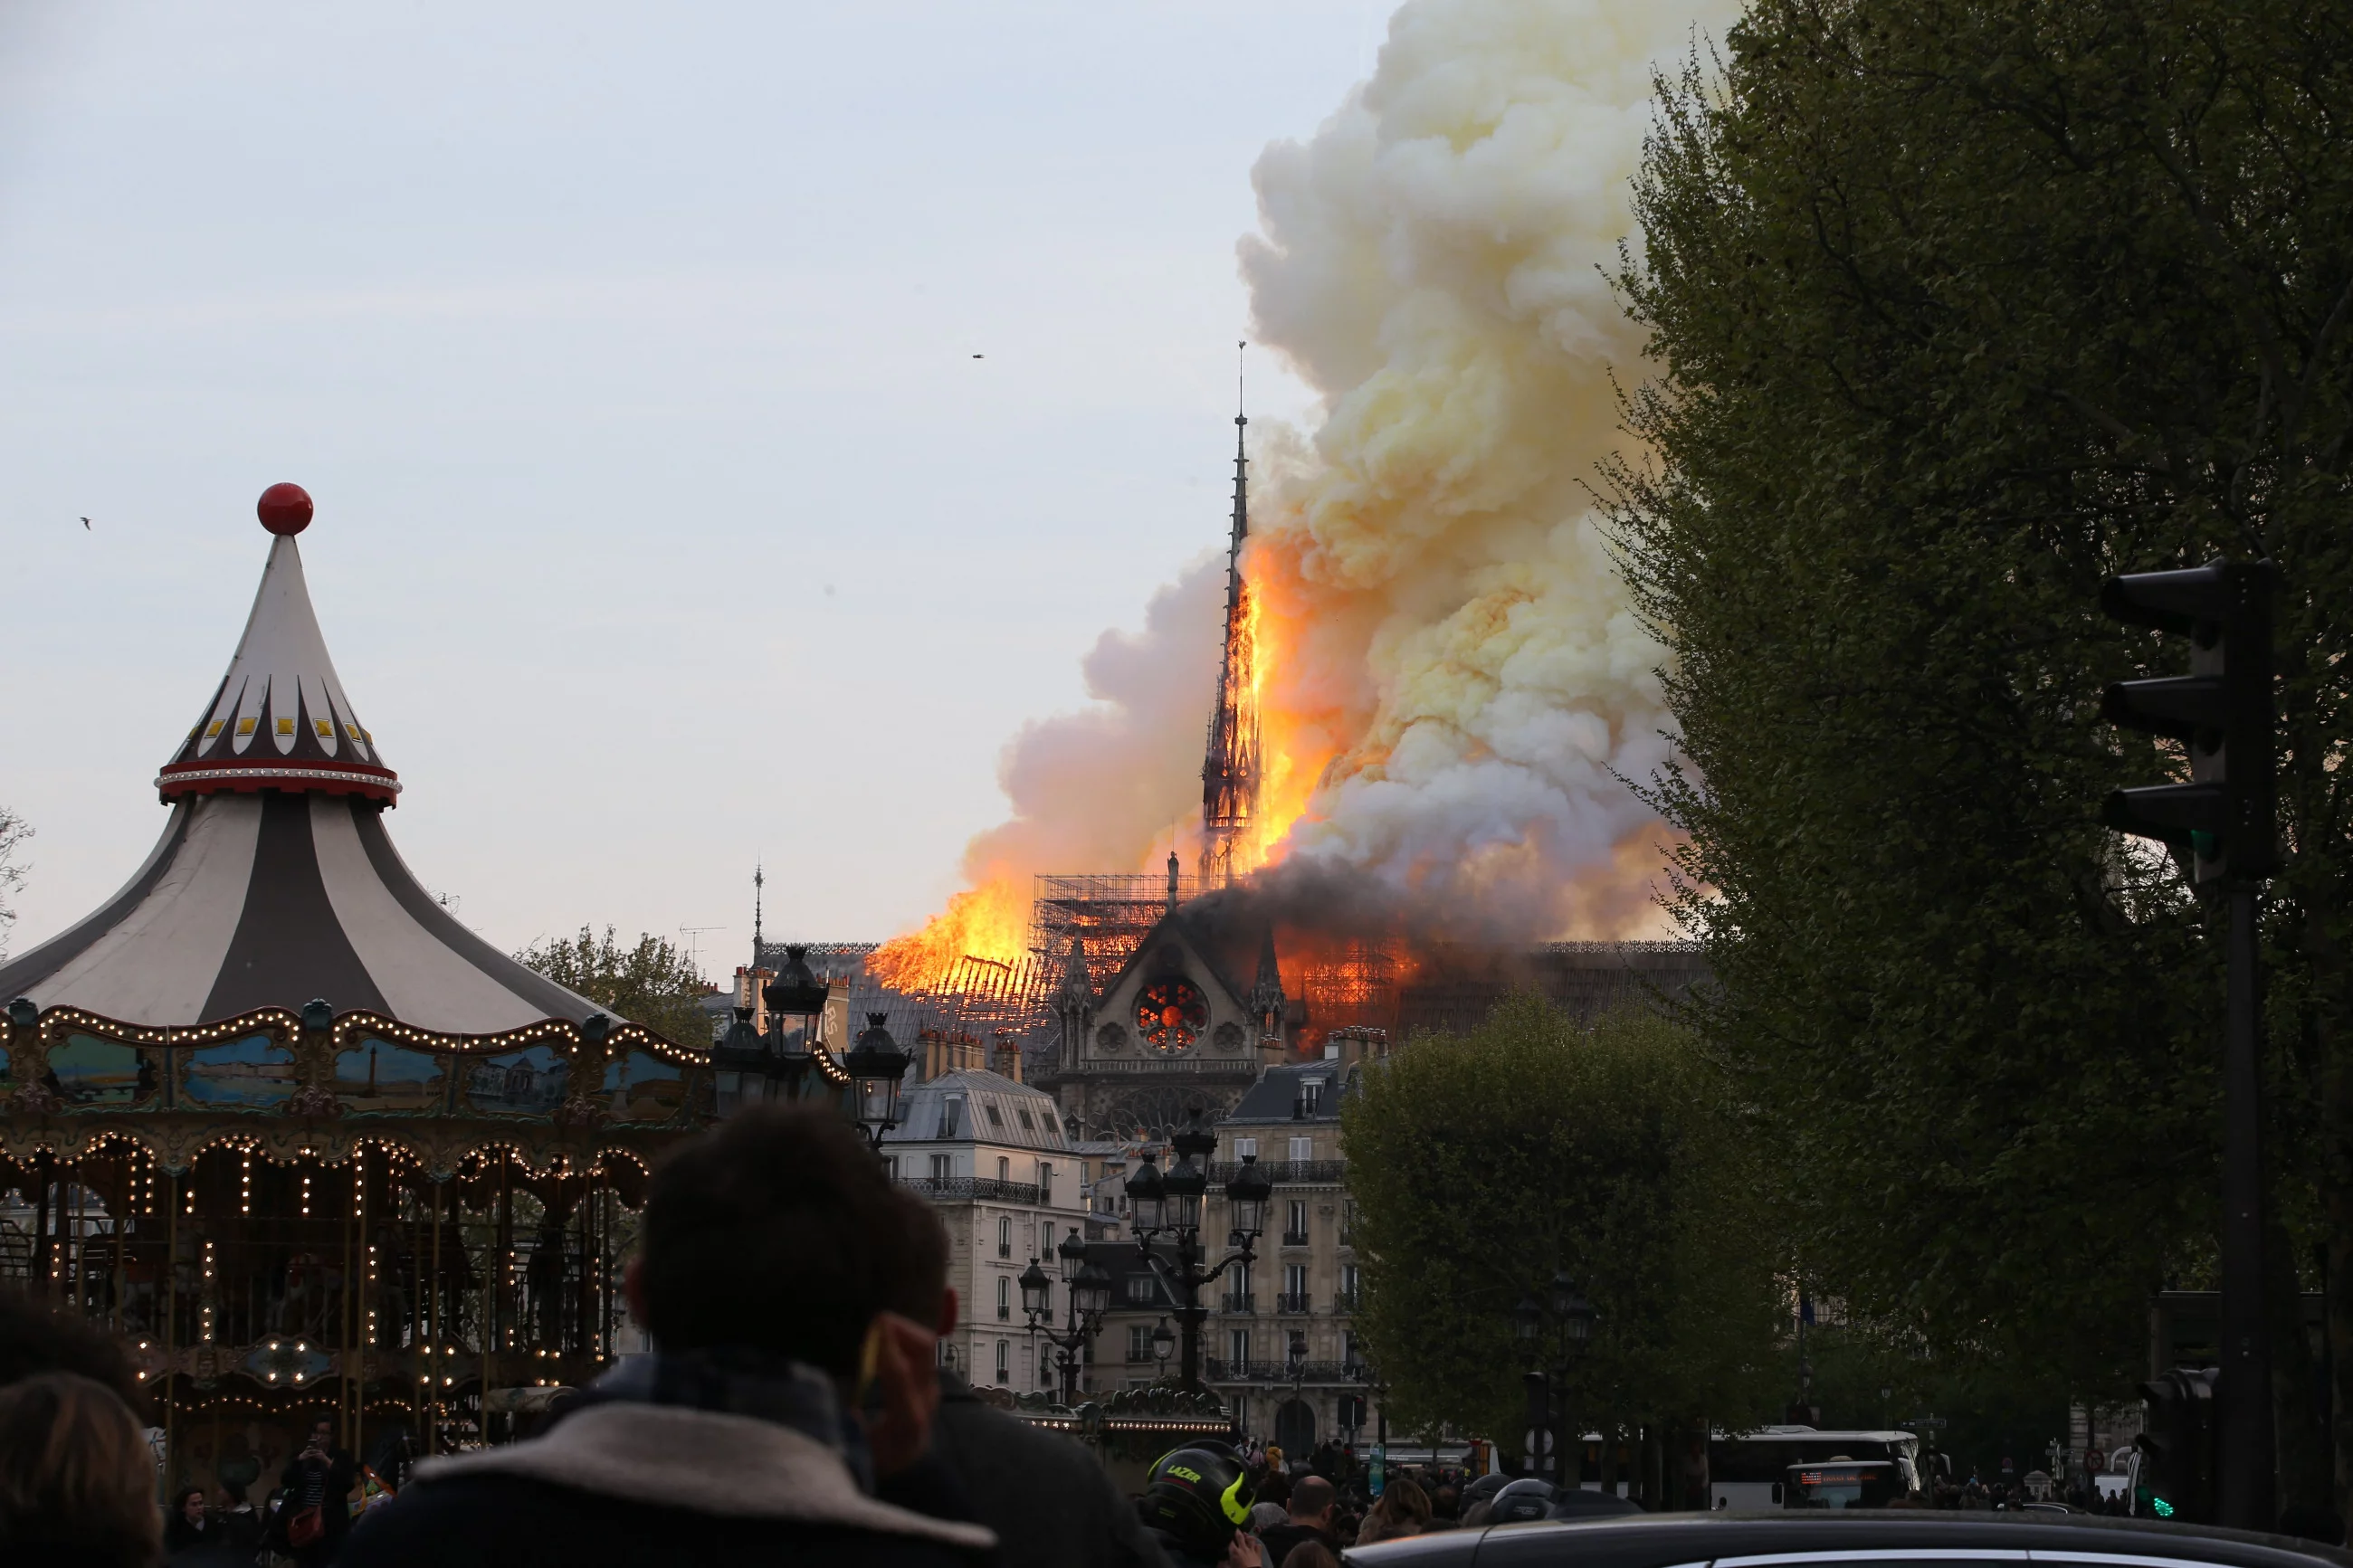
1663, 1541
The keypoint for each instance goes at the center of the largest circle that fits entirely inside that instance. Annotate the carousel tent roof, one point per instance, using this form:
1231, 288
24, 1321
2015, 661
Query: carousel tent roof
274, 881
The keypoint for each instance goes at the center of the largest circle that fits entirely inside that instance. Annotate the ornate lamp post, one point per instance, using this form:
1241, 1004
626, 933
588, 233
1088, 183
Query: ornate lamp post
1087, 1292
796, 1000
1172, 1203
875, 1065
1561, 1323
1164, 1345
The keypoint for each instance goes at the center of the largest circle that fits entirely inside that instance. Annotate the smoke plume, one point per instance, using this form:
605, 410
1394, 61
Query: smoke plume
1441, 612
1453, 686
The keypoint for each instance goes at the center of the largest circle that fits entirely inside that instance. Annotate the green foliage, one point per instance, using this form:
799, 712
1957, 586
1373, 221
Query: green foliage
651, 984
1960, 305
1478, 1164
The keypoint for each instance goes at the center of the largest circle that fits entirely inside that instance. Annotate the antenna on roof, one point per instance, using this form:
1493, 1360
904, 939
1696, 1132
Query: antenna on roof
759, 885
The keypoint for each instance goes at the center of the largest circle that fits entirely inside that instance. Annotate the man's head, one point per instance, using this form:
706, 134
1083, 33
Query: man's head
1312, 1500
36, 1338
779, 1231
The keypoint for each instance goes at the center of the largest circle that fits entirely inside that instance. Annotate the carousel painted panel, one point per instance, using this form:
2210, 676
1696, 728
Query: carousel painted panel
528, 1082
255, 1073
379, 1077
641, 1086
94, 1074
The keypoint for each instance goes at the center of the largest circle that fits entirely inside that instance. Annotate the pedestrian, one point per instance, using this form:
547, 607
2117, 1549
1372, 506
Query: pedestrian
77, 1477
189, 1523
241, 1526
1195, 1506
317, 1513
1310, 1554
780, 1384
1050, 1501
1403, 1511
1308, 1517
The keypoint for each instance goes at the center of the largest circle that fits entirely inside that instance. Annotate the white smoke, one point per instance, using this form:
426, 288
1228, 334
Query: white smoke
1433, 262
1096, 789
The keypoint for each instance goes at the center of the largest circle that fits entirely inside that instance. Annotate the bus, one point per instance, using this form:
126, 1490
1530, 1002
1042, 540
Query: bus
1750, 1469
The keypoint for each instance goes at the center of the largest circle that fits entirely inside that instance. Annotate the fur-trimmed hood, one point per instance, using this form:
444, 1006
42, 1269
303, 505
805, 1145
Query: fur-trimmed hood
705, 1461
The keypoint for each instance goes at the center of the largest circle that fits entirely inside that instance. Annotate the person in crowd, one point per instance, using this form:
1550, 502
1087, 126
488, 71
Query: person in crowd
240, 1524
35, 1337
1443, 1508
1403, 1511
77, 1477
1049, 1499
190, 1523
1313, 1501
781, 1383
1310, 1554
317, 1514
1195, 1506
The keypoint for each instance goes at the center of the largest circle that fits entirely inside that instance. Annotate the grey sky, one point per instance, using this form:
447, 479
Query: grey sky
665, 518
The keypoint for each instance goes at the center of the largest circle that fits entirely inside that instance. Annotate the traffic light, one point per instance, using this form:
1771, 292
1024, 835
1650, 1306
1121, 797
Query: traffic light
2222, 710
2176, 1448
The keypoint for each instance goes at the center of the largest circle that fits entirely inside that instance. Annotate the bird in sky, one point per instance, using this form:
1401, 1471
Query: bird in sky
85, 525
980, 356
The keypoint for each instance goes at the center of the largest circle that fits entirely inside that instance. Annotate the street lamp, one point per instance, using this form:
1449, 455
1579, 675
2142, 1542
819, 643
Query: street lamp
1087, 1297
1164, 1345
1173, 1202
875, 1065
796, 1000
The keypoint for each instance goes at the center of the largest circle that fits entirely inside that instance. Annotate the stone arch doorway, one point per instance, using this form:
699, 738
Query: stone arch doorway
1295, 1429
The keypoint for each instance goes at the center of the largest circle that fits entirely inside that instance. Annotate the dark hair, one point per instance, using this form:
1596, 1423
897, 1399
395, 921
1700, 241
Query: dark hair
75, 1475
780, 1231
1311, 1496
36, 1338
1310, 1554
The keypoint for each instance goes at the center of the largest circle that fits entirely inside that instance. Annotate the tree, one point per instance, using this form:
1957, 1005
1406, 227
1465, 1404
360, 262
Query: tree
14, 831
1481, 1164
1958, 307
651, 984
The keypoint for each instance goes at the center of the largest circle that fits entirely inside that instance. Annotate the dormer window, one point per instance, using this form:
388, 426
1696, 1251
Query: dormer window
951, 1117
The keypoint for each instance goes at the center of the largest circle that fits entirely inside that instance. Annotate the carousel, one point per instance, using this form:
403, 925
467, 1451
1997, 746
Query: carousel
306, 1142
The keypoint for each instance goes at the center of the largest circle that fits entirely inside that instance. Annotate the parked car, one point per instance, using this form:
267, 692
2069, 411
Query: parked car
1841, 1537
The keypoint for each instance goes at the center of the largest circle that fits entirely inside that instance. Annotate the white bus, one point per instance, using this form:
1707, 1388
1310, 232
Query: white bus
1746, 1469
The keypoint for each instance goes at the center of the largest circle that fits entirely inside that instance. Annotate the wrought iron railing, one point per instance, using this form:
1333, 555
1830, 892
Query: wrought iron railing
1291, 1302
1278, 1371
1295, 1239
983, 1187
1282, 1171
1235, 1303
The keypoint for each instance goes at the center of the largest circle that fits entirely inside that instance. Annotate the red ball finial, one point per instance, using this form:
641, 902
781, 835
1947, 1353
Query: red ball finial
285, 509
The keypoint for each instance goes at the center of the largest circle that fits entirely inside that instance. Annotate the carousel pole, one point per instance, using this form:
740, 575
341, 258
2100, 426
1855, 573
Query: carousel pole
122, 1240
343, 1317
171, 1313
45, 1279
432, 1441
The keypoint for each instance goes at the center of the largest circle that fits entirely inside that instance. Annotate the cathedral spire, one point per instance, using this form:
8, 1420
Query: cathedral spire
759, 886
1229, 771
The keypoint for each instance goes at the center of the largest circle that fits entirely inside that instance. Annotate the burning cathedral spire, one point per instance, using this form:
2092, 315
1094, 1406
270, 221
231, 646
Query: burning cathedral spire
1229, 773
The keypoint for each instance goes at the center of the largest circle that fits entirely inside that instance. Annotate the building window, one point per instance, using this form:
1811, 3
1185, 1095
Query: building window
1004, 1170
943, 1167
951, 1117
1139, 1287
1347, 1287
1004, 1362
1312, 1091
1139, 1343
1005, 1236
1046, 1179
994, 1120
1303, 1149
1004, 1299
1023, 1112
1046, 1241
891, 1166
1294, 1228
1245, 1148
1237, 1347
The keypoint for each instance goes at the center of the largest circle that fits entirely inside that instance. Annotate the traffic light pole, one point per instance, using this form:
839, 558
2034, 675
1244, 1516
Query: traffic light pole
2245, 1416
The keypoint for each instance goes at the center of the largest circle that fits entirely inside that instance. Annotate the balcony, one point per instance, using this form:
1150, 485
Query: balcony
975, 1187
1283, 1172
1277, 1372
1236, 1302
1295, 1239
1293, 1301
1346, 1303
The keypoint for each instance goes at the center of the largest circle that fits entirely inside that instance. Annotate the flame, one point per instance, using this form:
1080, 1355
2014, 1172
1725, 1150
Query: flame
991, 921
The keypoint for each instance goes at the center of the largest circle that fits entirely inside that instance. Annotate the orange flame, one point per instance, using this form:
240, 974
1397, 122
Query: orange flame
991, 921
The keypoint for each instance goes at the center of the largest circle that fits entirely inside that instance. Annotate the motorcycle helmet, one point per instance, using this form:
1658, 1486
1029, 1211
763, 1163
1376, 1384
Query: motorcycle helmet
1199, 1496
1524, 1499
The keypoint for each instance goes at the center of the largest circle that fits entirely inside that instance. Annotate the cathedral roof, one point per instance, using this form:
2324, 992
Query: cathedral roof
274, 881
